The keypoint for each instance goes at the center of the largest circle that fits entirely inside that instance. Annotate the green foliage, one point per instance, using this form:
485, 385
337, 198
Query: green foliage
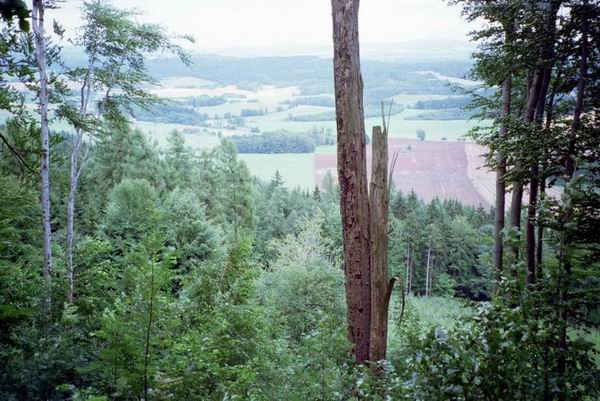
132, 210
304, 290
302, 275
188, 230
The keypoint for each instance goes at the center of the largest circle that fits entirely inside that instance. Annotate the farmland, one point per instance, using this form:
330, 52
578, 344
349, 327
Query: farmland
430, 168
440, 166
263, 100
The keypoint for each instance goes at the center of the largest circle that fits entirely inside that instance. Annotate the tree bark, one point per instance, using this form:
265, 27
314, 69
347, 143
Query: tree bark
544, 76
148, 330
500, 173
540, 228
37, 17
379, 207
351, 160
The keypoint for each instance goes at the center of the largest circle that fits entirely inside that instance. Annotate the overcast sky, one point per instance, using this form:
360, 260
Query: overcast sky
232, 23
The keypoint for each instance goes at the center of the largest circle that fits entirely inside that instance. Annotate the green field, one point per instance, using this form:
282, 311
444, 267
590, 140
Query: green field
297, 169
160, 132
399, 126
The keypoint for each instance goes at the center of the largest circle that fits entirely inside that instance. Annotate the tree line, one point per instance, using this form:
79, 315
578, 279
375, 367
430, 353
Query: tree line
282, 142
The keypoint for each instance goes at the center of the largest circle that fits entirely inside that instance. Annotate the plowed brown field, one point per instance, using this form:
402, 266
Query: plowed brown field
446, 170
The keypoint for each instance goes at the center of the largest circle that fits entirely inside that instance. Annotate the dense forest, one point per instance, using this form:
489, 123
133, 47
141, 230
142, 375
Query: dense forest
130, 271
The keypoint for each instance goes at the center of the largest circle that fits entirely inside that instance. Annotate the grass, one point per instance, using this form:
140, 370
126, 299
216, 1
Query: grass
186, 82
437, 311
410, 100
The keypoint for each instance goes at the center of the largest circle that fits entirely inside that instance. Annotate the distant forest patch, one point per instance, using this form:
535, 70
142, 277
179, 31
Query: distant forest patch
283, 142
371, 110
171, 113
443, 115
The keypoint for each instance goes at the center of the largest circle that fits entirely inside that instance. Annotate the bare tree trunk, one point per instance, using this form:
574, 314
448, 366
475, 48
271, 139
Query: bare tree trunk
565, 257
410, 276
549, 118
381, 287
73, 181
351, 159
530, 226
37, 16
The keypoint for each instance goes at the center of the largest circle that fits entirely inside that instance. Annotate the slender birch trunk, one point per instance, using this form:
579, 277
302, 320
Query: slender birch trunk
37, 17
75, 172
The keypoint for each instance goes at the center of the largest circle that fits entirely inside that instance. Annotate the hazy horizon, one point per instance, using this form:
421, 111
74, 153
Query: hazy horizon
222, 25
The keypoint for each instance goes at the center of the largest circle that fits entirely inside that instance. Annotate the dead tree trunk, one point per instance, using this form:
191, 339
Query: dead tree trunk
351, 160
381, 285
37, 17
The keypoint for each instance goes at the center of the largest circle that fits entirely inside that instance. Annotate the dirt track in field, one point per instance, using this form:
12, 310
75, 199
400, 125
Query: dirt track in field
446, 170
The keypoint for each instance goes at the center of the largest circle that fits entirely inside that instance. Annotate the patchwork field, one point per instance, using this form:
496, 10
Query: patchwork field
400, 127
430, 168
442, 166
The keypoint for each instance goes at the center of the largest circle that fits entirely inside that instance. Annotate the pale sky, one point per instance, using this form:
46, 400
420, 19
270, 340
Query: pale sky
219, 24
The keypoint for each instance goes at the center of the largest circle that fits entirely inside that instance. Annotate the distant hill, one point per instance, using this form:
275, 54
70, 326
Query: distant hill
408, 51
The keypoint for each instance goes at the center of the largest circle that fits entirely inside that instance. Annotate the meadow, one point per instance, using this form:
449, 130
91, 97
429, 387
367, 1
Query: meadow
297, 169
